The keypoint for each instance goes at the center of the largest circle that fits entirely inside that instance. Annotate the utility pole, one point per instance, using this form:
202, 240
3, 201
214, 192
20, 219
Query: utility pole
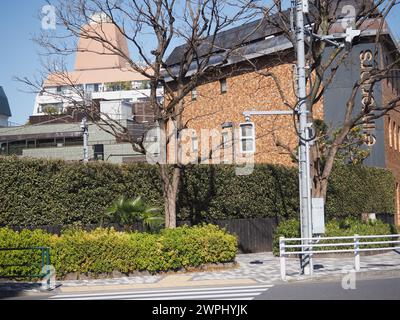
301, 7
85, 128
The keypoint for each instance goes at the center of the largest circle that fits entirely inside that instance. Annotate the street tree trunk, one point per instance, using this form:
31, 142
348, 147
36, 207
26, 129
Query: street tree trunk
170, 193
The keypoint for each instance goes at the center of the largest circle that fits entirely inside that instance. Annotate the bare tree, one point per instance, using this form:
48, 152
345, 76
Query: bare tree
324, 58
161, 25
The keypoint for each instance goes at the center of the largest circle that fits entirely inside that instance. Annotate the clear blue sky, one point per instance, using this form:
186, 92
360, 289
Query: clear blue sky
19, 21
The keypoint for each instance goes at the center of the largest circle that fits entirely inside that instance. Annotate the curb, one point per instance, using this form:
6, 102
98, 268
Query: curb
361, 275
167, 282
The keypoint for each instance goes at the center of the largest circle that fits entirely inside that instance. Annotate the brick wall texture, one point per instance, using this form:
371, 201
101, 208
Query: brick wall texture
254, 90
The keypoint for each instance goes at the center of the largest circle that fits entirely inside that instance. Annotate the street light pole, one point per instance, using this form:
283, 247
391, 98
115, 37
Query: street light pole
304, 161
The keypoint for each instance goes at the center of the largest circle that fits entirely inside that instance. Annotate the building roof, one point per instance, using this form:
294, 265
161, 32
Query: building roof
254, 35
92, 54
4, 105
95, 62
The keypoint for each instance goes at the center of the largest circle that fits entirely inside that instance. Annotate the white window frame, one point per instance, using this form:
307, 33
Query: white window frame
195, 144
194, 94
225, 143
223, 86
252, 137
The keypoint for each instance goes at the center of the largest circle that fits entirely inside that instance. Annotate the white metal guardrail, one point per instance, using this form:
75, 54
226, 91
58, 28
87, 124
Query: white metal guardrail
355, 244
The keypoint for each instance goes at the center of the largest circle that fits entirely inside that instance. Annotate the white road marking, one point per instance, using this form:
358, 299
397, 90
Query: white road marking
247, 292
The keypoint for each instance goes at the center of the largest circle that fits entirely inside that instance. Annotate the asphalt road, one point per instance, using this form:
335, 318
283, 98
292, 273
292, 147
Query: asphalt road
365, 289
376, 289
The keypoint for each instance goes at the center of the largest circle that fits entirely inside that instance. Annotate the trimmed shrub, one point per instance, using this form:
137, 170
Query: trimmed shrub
355, 189
22, 263
106, 250
37, 192
334, 228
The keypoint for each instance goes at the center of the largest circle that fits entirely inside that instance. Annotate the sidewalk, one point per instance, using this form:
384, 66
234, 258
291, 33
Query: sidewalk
249, 270
259, 268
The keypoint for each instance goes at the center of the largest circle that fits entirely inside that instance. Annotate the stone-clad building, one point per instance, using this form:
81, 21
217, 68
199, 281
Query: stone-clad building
244, 85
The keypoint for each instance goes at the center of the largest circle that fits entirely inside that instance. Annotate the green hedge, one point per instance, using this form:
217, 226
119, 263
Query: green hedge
35, 192
334, 228
104, 251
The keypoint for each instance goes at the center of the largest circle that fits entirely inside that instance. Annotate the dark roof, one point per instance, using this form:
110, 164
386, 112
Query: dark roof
4, 106
251, 32
258, 30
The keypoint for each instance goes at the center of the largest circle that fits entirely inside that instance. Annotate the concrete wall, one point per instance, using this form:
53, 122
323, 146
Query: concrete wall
74, 153
113, 152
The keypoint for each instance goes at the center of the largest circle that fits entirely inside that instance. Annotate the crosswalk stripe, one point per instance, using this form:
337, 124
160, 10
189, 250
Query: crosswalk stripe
155, 292
218, 293
206, 297
174, 294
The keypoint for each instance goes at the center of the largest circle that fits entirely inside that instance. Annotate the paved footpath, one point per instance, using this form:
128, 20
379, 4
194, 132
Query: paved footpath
251, 270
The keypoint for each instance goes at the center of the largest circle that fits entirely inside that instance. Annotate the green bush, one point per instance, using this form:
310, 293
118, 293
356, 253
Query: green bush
37, 192
355, 189
334, 228
22, 263
106, 250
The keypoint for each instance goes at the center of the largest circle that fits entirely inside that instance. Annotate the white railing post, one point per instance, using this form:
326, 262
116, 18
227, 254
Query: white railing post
311, 248
356, 252
282, 257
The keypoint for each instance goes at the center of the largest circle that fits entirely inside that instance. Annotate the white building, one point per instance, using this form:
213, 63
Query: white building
98, 75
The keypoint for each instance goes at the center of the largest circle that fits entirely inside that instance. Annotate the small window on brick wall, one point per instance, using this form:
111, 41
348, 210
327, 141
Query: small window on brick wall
224, 86
195, 144
398, 203
398, 139
194, 94
390, 133
247, 138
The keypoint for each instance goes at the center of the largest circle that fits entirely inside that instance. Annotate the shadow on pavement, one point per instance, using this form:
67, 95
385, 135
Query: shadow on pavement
10, 290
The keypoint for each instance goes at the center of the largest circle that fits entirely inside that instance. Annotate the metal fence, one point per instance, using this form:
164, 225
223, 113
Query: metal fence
355, 244
43, 264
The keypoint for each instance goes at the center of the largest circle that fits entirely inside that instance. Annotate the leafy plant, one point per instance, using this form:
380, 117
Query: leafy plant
127, 212
38, 192
335, 228
106, 250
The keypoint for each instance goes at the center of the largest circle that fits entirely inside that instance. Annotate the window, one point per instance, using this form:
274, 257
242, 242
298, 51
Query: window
51, 108
99, 152
141, 85
93, 87
225, 138
398, 138
398, 202
395, 136
50, 89
194, 94
247, 138
390, 133
224, 86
